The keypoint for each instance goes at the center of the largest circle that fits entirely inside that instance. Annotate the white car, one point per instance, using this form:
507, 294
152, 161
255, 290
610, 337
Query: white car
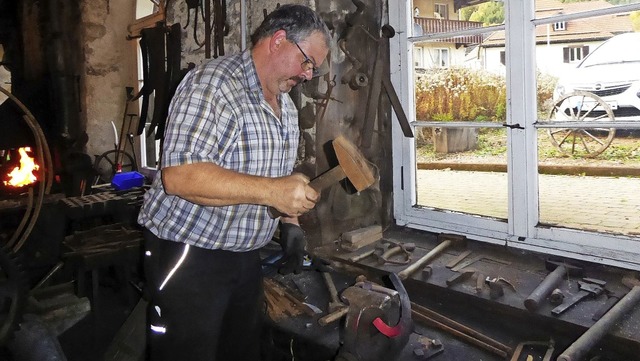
612, 72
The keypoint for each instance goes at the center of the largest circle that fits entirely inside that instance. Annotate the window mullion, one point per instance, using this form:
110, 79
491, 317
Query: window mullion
521, 109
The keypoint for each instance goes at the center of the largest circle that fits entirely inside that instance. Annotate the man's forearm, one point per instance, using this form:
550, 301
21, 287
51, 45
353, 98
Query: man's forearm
211, 185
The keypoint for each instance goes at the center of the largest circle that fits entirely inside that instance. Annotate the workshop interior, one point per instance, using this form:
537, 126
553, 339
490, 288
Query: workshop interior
85, 89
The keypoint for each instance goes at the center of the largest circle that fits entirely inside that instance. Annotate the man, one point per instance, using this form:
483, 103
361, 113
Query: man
228, 154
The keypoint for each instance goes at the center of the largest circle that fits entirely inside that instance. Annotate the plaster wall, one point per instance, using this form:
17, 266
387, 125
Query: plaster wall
110, 66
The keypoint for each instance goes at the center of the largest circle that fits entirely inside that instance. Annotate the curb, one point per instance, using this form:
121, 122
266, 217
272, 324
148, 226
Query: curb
542, 169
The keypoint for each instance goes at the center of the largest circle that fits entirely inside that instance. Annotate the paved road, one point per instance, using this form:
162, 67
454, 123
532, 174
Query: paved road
609, 204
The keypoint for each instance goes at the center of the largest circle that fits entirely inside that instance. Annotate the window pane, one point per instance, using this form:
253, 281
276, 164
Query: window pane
599, 193
589, 169
462, 170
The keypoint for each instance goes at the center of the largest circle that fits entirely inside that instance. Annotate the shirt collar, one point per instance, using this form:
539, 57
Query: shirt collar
253, 83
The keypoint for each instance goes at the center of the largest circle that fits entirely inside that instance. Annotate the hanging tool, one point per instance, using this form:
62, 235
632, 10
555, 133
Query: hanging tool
559, 271
351, 165
447, 240
586, 290
577, 350
121, 142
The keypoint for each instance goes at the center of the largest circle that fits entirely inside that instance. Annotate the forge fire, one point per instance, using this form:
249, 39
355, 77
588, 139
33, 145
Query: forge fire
22, 175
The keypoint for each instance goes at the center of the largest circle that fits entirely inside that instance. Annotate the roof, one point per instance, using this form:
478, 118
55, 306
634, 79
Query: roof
580, 30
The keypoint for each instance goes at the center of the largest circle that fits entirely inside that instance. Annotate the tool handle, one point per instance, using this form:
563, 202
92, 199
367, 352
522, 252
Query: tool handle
595, 333
407, 272
334, 316
545, 288
318, 183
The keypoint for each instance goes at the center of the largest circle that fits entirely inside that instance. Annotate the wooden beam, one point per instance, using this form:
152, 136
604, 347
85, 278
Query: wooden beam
148, 21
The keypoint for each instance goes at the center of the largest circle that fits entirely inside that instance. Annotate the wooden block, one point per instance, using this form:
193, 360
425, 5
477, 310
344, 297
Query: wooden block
356, 239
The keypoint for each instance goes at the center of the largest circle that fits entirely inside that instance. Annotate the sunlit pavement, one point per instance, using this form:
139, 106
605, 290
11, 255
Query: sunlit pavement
607, 204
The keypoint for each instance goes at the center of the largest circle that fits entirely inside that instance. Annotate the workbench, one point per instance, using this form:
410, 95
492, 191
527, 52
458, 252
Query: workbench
468, 301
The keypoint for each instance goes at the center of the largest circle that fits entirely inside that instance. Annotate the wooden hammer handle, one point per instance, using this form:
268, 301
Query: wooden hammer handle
324, 180
407, 272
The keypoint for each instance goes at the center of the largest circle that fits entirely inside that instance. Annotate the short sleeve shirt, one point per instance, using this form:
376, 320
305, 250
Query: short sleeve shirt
219, 114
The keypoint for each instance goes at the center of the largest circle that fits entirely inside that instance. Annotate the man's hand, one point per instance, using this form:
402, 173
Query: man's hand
294, 197
292, 242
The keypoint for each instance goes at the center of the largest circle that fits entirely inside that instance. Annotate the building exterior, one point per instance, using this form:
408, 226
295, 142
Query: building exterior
562, 45
441, 16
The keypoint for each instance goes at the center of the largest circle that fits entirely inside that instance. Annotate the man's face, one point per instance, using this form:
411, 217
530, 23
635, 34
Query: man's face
303, 58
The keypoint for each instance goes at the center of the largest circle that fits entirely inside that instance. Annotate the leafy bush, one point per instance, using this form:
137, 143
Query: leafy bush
462, 94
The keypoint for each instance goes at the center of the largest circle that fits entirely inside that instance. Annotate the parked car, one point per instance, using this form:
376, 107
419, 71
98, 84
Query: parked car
612, 72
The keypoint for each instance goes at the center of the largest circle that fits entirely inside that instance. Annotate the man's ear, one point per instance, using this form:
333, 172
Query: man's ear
277, 39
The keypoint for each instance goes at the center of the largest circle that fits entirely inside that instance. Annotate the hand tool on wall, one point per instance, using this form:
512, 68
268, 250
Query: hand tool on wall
121, 144
380, 79
446, 239
351, 165
577, 350
586, 290
558, 271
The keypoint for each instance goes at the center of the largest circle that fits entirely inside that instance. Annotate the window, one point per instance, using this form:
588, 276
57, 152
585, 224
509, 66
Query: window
560, 26
441, 58
515, 202
417, 57
572, 54
441, 11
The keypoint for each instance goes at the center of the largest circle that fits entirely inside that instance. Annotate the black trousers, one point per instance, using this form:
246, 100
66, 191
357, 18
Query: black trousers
205, 305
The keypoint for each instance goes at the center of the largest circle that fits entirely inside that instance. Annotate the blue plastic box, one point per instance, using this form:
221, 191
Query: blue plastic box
127, 180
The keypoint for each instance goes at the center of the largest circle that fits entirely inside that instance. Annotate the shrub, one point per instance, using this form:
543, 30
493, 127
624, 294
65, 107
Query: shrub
463, 94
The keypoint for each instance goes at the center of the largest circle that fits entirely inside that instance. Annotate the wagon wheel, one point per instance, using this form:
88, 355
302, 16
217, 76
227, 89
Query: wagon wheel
106, 165
581, 106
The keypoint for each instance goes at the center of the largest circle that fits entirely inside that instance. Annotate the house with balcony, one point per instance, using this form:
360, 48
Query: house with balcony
562, 45
442, 16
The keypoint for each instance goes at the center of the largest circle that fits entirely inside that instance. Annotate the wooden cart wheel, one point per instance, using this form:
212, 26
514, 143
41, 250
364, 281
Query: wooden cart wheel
106, 165
580, 106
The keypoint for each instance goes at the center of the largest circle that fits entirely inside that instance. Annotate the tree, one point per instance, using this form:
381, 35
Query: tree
465, 13
489, 13
635, 20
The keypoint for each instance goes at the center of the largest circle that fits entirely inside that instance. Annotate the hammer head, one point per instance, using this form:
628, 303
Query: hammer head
355, 166
630, 281
457, 240
571, 269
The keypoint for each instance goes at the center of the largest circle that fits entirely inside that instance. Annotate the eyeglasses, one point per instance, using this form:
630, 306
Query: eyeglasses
307, 64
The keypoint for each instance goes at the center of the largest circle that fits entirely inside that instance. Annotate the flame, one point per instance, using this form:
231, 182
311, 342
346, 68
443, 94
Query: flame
23, 175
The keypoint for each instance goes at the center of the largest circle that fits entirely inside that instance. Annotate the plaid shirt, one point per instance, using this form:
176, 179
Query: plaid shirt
219, 115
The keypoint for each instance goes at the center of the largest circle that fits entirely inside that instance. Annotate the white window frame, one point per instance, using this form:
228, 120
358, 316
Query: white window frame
575, 54
560, 26
521, 230
439, 55
438, 9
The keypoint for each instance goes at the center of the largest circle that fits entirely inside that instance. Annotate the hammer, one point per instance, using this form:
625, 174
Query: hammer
448, 240
550, 282
351, 165
595, 333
